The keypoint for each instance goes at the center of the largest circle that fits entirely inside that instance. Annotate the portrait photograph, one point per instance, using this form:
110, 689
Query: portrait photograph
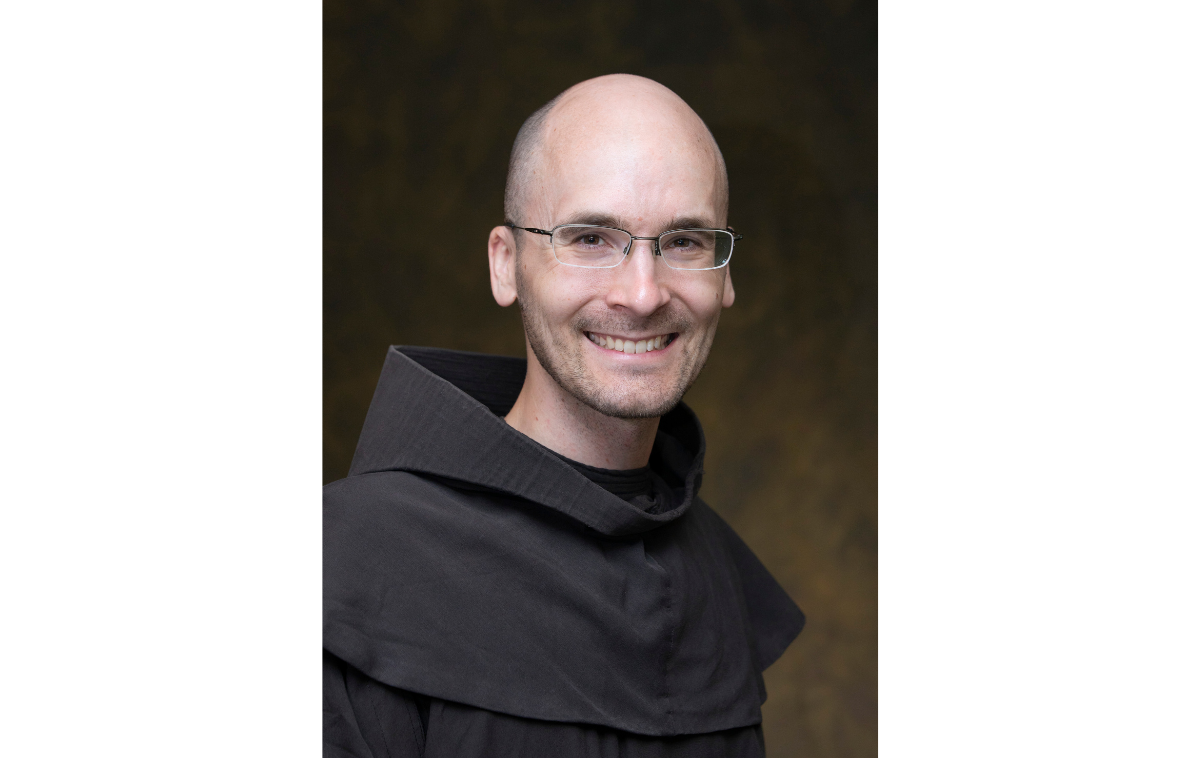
422, 105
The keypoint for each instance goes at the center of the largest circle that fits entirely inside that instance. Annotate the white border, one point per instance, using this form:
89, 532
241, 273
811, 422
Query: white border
1039, 373
160, 291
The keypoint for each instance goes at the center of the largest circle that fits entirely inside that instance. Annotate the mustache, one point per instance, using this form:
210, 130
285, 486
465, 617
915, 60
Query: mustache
659, 322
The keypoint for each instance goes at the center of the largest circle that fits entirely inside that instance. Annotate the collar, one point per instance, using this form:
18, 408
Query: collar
439, 412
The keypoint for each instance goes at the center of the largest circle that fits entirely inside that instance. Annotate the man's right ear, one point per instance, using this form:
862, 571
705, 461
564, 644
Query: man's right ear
502, 262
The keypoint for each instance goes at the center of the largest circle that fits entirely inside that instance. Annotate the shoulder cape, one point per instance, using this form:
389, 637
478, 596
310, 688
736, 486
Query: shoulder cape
465, 562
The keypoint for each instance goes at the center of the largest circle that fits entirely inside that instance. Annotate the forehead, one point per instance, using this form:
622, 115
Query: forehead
645, 169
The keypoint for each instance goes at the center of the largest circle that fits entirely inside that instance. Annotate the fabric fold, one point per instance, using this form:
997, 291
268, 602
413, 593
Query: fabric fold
467, 563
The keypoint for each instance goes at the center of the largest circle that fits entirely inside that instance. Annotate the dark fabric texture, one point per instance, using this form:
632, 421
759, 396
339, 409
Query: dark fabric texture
640, 487
389, 729
366, 718
457, 731
467, 564
626, 484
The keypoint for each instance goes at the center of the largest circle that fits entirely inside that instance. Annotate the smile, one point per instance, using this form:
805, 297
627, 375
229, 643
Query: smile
631, 346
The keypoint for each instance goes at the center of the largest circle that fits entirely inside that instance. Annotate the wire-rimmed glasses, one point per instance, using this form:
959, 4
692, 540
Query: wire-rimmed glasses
592, 246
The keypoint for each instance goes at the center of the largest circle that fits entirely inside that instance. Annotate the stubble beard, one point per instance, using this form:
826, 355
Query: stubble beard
637, 395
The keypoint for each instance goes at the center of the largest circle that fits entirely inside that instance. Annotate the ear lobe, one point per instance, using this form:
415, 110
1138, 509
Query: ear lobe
727, 296
502, 265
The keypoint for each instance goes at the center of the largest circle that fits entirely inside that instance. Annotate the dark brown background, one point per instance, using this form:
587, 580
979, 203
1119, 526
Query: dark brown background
422, 102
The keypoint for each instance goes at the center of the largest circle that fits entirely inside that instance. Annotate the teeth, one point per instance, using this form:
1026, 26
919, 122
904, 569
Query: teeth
630, 347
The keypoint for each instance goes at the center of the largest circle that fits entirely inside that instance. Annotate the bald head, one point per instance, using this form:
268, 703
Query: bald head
612, 122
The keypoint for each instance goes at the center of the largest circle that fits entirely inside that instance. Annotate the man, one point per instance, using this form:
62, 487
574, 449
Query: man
519, 563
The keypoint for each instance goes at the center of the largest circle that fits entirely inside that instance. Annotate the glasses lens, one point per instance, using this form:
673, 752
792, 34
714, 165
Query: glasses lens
590, 246
696, 248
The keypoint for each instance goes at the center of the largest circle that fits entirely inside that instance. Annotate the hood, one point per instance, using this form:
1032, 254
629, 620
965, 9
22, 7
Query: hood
465, 562
440, 413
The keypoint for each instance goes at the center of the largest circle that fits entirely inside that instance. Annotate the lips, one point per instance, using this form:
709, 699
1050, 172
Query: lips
631, 346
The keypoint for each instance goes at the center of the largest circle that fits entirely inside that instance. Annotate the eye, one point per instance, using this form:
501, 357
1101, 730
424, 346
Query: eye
681, 243
590, 239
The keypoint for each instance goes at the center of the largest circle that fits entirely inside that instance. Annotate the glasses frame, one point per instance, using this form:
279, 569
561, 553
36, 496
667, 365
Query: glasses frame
632, 238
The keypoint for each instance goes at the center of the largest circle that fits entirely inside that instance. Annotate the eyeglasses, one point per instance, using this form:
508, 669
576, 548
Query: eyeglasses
589, 246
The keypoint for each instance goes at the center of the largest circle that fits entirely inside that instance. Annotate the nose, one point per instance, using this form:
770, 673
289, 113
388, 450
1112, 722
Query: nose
637, 285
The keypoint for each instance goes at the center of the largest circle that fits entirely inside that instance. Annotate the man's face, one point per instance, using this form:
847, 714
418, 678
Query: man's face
645, 179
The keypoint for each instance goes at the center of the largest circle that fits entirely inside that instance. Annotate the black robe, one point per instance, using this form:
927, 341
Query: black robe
484, 598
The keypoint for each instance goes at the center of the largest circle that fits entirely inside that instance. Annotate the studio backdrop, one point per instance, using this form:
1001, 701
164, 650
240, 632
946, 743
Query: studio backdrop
422, 103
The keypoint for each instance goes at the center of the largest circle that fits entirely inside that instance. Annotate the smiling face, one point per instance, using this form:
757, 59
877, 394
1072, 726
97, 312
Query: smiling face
626, 341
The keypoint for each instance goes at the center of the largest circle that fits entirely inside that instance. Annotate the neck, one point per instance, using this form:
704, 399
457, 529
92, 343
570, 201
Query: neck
546, 413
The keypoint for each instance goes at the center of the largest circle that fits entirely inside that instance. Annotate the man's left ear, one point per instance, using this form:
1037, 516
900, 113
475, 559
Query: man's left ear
727, 297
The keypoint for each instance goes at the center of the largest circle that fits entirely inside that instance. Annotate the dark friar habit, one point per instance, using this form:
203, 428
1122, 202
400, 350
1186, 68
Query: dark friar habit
485, 598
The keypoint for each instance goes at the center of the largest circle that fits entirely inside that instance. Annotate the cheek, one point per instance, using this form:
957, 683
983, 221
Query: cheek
704, 302
560, 297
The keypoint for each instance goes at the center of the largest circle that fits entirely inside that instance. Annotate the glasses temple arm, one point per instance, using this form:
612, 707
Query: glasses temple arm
511, 225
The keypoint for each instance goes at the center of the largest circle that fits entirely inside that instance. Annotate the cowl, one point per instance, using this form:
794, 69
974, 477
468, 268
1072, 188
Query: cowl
465, 562
440, 413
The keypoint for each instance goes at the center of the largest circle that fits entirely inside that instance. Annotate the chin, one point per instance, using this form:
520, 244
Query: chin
626, 407
624, 395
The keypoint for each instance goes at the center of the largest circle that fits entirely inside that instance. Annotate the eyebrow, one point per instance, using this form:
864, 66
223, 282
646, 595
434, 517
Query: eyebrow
690, 222
597, 218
